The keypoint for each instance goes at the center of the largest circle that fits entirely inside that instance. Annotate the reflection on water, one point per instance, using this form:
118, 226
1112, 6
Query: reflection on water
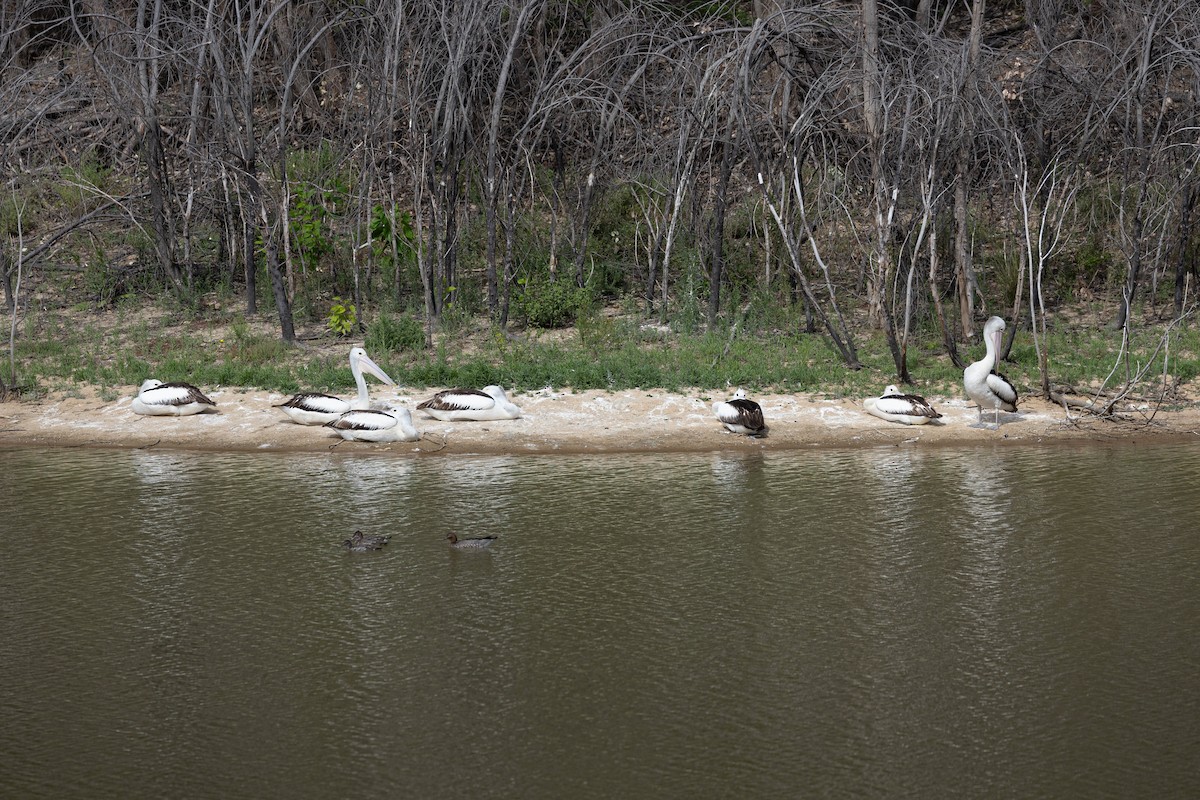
862, 623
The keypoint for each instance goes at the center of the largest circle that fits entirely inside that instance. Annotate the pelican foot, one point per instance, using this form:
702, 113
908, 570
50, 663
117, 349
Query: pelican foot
979, 426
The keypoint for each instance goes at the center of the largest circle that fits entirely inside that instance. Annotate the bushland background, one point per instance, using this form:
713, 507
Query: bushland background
816, 195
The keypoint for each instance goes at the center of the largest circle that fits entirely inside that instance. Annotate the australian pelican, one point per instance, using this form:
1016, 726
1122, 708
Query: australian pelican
741, 415
988, 388
159, 399
470, 404
469, 541
314, 408
360, 542
907, 409
368, 425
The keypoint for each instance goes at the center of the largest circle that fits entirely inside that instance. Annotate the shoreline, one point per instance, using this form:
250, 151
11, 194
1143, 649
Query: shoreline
554, 422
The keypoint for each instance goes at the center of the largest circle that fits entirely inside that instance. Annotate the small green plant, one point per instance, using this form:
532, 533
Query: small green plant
309, 219
343, 317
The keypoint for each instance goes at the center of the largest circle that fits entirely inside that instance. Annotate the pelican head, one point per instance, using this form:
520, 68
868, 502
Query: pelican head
361, 362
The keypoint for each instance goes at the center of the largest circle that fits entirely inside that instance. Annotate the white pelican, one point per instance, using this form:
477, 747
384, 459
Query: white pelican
741, 415
369, 425
469, 541
988, 388
470, 404
169, 399
907, 409
314, 408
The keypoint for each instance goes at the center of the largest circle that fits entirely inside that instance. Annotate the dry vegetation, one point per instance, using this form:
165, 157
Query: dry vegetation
880, 175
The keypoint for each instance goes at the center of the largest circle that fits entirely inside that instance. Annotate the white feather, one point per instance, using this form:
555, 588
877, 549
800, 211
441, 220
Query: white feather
470, 404
159, 399
983, 384
315, 408
369, 425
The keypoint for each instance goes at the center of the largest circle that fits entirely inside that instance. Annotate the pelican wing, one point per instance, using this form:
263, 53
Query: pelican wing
175, 394
738, 411
910, 405
1003, 388
749, 413
317, 402
459, 400
363, 420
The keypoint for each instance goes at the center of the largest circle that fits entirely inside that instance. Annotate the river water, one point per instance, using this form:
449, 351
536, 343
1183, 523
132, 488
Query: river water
984, 622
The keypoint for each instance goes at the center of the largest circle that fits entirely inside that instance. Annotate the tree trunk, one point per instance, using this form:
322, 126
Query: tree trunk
873, 119
717, 271
164, 238
6, 279
1183, 262
964, 269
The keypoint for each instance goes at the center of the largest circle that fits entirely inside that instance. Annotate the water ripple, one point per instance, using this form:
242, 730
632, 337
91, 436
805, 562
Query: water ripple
871, 623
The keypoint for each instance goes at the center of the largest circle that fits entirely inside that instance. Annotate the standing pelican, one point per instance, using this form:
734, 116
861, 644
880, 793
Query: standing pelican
741, 415
470, 404
314, 408
369, 425
907, 409
988, 388
159, 399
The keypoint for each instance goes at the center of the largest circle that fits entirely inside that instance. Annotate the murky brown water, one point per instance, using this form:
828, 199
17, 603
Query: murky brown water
1014, 622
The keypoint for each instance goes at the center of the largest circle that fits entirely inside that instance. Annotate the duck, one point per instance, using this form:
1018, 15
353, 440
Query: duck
158, 399
469, 541
373, 425
983, 384
740, 414
470, 404
360, 542
907, 409
315, 408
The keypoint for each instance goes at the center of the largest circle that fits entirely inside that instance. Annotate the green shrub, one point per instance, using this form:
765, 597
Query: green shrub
389, 333
551, 305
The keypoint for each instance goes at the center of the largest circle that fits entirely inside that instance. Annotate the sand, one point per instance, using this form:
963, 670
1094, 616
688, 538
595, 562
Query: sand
564, 422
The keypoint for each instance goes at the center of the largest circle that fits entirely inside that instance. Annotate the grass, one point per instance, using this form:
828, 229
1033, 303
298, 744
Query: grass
601, 353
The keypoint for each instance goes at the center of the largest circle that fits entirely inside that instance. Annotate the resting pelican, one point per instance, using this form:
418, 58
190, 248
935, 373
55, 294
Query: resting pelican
741, 415
907, 409
470, 404
314, 408
169, 399
469, 541
988, 388
369, 425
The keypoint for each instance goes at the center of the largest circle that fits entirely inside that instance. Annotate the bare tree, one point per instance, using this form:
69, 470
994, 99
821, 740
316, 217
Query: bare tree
237, 55
1044, 207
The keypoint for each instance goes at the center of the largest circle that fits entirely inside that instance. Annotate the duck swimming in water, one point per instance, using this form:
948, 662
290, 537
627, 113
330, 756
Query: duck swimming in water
470, 541
360, 542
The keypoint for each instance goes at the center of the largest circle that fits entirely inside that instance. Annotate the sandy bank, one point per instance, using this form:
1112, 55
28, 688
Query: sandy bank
557, 422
